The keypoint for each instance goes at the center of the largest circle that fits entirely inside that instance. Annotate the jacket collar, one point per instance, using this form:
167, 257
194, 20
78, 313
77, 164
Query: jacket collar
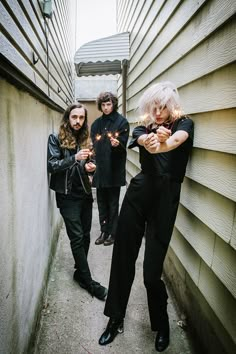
112, 116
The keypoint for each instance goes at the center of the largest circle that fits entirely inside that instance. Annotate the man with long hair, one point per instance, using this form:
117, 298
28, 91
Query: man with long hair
149, 208
109, 134
69, 165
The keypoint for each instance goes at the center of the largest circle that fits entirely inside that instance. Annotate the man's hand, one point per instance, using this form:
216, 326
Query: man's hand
82, 155
114, 142
90, 167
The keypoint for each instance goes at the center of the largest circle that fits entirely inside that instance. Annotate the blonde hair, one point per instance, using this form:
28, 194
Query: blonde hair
161, 95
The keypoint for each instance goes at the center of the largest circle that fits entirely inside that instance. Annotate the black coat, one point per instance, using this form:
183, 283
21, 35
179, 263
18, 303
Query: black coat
62, 166
110, 161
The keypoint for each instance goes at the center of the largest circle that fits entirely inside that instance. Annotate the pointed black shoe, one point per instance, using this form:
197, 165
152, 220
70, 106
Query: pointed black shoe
100, 240
109, 241
94, 288
162, 339
114, 327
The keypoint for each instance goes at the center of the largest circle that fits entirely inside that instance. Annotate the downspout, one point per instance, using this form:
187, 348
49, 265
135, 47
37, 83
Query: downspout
124, 85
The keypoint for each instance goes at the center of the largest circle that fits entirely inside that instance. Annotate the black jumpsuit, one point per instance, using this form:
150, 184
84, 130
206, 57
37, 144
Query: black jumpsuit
149, 208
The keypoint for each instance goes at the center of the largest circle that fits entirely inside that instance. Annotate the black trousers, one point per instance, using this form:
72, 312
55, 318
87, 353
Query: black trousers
149, 208
77, 215
108, 208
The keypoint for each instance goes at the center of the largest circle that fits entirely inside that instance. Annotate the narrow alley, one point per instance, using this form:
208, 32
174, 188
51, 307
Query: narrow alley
72, 320
55, 53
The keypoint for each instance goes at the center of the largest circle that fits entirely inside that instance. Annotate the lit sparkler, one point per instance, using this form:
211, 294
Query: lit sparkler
98, 137
110, 135
113, 135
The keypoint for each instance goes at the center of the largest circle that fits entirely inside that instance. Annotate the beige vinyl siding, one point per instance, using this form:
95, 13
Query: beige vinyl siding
26, 35
192, 43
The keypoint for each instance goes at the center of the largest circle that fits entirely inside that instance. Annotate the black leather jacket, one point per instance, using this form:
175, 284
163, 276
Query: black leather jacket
61, 165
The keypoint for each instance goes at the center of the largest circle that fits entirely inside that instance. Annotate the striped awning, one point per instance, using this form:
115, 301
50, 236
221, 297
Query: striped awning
103, 56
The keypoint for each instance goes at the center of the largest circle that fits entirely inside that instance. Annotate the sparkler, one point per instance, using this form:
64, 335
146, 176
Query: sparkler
113, 135
98, 137
91, 154
110, 135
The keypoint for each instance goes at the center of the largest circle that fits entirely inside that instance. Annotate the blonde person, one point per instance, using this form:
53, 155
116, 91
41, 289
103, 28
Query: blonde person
149, 209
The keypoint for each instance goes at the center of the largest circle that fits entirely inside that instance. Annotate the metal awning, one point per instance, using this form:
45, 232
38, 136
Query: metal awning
103, 56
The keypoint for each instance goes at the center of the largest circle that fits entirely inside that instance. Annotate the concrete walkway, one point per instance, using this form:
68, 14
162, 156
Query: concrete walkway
72, 321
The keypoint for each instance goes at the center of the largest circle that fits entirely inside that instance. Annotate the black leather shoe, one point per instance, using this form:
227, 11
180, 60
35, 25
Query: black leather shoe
162, 339
94, 288
100, 240
114, 327
109, 241
97, 290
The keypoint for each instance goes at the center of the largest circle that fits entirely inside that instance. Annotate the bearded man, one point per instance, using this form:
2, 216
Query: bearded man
69, 166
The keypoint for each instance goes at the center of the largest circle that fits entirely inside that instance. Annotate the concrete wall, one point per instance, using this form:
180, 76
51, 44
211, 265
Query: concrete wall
36, 84
192, 43
29, 220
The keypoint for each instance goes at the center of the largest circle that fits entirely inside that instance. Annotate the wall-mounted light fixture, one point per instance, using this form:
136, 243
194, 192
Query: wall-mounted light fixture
47, 8
35, 58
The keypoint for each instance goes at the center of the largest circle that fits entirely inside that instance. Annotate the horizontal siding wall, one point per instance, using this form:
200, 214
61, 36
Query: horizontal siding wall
192, 43
38, 48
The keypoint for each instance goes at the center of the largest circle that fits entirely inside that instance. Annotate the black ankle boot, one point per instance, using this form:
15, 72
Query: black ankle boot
163, 336
114, 327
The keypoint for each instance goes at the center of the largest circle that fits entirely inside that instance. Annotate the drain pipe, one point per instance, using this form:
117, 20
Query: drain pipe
124, 85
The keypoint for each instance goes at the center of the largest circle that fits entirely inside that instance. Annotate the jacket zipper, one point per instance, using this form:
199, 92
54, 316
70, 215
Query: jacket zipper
66, 189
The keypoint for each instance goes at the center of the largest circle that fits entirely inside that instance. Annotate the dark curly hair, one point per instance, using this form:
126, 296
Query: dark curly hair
69, 139
105, 97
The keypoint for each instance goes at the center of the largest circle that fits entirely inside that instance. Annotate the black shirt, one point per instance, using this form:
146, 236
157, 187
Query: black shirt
171, 163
